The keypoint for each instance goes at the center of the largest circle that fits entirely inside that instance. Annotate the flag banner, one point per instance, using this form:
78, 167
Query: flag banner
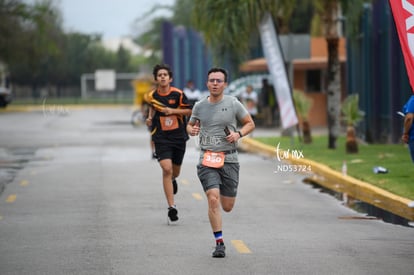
277, 70
403, 13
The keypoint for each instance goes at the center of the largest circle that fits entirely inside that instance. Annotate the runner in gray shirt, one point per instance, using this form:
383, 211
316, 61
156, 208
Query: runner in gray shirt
215, 120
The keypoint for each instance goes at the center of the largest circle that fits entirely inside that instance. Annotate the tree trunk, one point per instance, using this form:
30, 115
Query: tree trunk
307, 136
333, 91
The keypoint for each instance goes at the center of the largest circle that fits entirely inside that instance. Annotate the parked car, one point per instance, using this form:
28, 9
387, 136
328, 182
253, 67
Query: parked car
5, 87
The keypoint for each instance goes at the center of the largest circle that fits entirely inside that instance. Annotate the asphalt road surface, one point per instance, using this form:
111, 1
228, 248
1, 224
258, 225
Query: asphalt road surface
83, 196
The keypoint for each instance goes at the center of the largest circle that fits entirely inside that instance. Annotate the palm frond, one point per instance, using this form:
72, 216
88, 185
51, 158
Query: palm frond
350, 109
303, 104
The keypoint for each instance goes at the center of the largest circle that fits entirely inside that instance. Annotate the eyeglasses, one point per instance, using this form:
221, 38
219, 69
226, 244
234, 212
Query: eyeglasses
212, 80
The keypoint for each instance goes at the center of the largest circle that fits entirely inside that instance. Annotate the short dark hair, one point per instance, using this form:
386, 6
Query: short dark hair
218, 70
161, 67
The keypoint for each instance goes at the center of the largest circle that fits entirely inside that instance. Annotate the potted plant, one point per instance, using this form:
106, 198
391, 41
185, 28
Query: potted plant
303, 104
352, 115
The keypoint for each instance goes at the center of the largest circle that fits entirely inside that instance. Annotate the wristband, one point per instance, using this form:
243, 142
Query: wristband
240, 134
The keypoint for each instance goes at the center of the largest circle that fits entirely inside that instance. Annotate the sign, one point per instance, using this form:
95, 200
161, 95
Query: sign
105, 80
276, 65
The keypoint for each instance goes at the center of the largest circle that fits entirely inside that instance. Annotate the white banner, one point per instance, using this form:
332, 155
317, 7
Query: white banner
276, 65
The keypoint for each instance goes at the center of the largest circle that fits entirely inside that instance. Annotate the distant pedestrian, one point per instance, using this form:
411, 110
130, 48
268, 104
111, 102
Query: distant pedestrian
192, 93
408, 130
167, 119
267, 102
215, 119
250, 100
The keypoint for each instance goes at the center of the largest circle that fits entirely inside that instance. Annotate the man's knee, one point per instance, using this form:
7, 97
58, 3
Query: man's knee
213, 199
166, 166
227, 204
227, 208
176, 170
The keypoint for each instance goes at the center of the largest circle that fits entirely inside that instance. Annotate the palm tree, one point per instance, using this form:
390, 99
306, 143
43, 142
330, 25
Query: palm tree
303, 104
352, 115
228, 25
328, 11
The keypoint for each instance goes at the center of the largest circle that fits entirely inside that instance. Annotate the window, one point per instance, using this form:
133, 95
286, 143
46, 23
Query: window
314, 81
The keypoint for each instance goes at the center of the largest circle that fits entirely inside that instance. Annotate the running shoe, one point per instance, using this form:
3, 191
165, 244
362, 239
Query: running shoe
172, 214
175, 186
220, 251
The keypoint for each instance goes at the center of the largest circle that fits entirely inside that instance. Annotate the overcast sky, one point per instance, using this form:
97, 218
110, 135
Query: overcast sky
111, 18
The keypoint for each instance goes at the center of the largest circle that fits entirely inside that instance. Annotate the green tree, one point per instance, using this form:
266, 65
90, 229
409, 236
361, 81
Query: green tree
301, 17
39, 54
150, 41
123, 57
12, 15
37, 41
84, 54
228, 26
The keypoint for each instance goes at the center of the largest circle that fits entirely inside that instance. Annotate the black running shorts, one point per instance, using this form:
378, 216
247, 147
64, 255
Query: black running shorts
173, 151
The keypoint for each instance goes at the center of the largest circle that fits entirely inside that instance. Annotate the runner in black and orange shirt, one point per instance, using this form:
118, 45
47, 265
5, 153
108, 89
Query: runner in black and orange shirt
167, 119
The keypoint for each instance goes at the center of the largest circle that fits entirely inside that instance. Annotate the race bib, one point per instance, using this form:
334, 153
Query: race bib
213, 159
169, 123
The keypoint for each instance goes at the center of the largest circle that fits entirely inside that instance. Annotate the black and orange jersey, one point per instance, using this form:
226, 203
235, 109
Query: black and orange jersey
168, 128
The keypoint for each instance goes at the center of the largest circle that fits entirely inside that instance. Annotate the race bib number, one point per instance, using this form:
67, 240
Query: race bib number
169, 123
213, 159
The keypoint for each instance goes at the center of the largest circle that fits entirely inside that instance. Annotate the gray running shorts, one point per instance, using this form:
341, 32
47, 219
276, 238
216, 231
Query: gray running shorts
226, 178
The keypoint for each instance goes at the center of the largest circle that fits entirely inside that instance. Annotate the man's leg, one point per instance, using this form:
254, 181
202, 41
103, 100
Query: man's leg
167, 174
176, 173
177, 160
176, 170
230, 183
214, 213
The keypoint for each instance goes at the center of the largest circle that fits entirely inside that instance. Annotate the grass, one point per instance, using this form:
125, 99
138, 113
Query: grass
395, 157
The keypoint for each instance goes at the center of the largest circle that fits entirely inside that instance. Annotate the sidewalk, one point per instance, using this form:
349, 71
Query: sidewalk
334, 180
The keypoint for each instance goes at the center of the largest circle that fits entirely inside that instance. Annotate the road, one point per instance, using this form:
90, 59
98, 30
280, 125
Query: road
85, 198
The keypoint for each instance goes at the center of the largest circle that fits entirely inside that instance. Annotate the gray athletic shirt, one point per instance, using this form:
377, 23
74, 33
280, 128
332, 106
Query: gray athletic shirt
214, 117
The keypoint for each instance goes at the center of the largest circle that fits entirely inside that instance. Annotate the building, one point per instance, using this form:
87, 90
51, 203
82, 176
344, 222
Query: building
308, 75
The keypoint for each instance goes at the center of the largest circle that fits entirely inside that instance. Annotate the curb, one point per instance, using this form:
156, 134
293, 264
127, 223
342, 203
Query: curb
333, 180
